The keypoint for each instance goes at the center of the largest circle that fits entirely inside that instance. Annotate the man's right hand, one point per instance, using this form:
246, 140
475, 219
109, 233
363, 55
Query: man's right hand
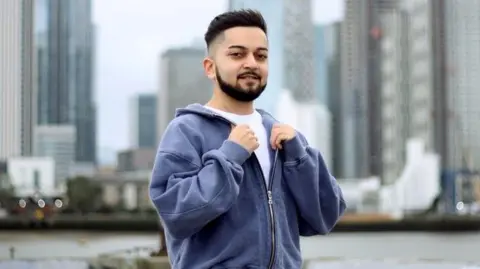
245, 137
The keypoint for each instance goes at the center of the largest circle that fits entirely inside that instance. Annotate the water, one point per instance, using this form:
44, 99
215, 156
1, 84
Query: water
336, 251
75, 245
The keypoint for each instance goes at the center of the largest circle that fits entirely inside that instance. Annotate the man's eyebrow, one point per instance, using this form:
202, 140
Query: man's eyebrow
237, 47
245, 48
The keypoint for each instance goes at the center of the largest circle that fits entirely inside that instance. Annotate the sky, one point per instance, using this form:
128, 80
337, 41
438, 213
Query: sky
131, 35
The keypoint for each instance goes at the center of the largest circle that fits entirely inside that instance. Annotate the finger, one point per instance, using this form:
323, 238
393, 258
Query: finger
276, 142
273, 138
280, 139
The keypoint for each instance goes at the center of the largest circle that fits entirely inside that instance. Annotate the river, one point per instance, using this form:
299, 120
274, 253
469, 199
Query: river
342, 250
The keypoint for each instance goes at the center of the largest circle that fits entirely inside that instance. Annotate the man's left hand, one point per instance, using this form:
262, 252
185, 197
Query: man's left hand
280, 133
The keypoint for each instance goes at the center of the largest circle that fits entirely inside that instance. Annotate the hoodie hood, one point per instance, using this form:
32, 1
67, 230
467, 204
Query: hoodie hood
194, 109
203, 111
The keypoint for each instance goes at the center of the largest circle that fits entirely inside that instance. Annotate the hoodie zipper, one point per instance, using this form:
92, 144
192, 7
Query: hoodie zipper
268, 190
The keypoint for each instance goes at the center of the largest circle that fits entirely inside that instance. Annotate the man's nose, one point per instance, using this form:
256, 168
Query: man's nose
251, 62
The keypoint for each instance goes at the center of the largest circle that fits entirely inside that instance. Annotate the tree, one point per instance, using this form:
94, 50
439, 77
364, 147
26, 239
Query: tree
7, 191
84, 195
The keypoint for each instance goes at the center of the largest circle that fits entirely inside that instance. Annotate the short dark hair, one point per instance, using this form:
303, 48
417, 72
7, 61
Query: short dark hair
236, 18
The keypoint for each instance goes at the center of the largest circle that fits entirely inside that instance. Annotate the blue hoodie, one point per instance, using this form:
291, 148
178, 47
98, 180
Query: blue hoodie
215, 207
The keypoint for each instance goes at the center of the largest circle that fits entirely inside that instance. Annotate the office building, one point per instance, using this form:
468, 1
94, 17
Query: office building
332, 38
58, 143
321, 65
29, 78
406, 82
182, 82
143, 121
299, 38
387, 76
131, 160
461, 41
358, 64
17, 84
66, 53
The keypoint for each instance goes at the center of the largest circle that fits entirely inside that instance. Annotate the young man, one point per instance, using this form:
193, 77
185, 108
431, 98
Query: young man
233, 187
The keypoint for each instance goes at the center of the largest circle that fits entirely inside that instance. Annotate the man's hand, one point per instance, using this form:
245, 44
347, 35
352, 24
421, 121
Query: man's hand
280, 133
244, 136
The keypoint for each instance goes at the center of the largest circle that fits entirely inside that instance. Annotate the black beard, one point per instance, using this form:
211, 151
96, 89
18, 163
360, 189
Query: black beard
238, 93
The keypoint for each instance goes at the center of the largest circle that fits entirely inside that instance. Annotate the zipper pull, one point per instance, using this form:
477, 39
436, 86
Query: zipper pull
270, 198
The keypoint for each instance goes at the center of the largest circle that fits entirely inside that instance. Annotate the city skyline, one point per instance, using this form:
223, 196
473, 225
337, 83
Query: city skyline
148, 25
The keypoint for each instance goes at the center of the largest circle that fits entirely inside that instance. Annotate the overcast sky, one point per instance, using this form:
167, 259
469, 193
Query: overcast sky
130, 36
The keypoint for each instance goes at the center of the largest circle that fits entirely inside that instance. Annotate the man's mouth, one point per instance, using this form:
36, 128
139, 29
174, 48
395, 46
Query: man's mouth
249, 76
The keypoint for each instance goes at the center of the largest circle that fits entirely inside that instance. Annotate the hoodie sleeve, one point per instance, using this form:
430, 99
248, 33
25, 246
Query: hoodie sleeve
189, 190
318, 197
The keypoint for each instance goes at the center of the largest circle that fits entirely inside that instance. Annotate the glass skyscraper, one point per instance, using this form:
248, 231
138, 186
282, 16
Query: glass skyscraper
65, 58
143, 121
17, 78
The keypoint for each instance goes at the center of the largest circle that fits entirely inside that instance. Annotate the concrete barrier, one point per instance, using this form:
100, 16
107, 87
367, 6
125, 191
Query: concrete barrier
148, 263
150, 223
131, 263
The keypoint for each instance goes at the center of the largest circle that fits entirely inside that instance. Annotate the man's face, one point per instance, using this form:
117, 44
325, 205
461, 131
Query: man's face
240, 63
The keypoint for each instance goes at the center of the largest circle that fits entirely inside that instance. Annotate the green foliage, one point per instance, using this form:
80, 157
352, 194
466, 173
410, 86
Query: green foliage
84, 195
7, 191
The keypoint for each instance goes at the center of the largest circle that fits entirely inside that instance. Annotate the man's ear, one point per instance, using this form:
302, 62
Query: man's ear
209, 67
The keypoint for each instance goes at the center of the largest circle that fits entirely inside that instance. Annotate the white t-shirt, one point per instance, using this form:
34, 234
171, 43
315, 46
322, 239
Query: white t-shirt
254, 120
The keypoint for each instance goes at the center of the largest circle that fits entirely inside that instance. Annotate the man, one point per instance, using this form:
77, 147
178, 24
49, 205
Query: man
233, 187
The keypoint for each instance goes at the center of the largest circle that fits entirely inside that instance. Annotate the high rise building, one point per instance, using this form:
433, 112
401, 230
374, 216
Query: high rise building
461, 38
143, 121
182, 81
392, 101
10, 77
327, 86
29, 78
321, 65
441, 110
406, 87
299, 40
58, 143
388, 77
358, 63
17, 86
438, 63
419, 59
332, 38
65, 50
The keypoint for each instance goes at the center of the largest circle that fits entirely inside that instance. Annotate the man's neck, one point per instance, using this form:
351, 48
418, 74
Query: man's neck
223, 102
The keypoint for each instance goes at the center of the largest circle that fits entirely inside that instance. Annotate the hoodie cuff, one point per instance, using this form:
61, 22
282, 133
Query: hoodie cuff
234, 152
